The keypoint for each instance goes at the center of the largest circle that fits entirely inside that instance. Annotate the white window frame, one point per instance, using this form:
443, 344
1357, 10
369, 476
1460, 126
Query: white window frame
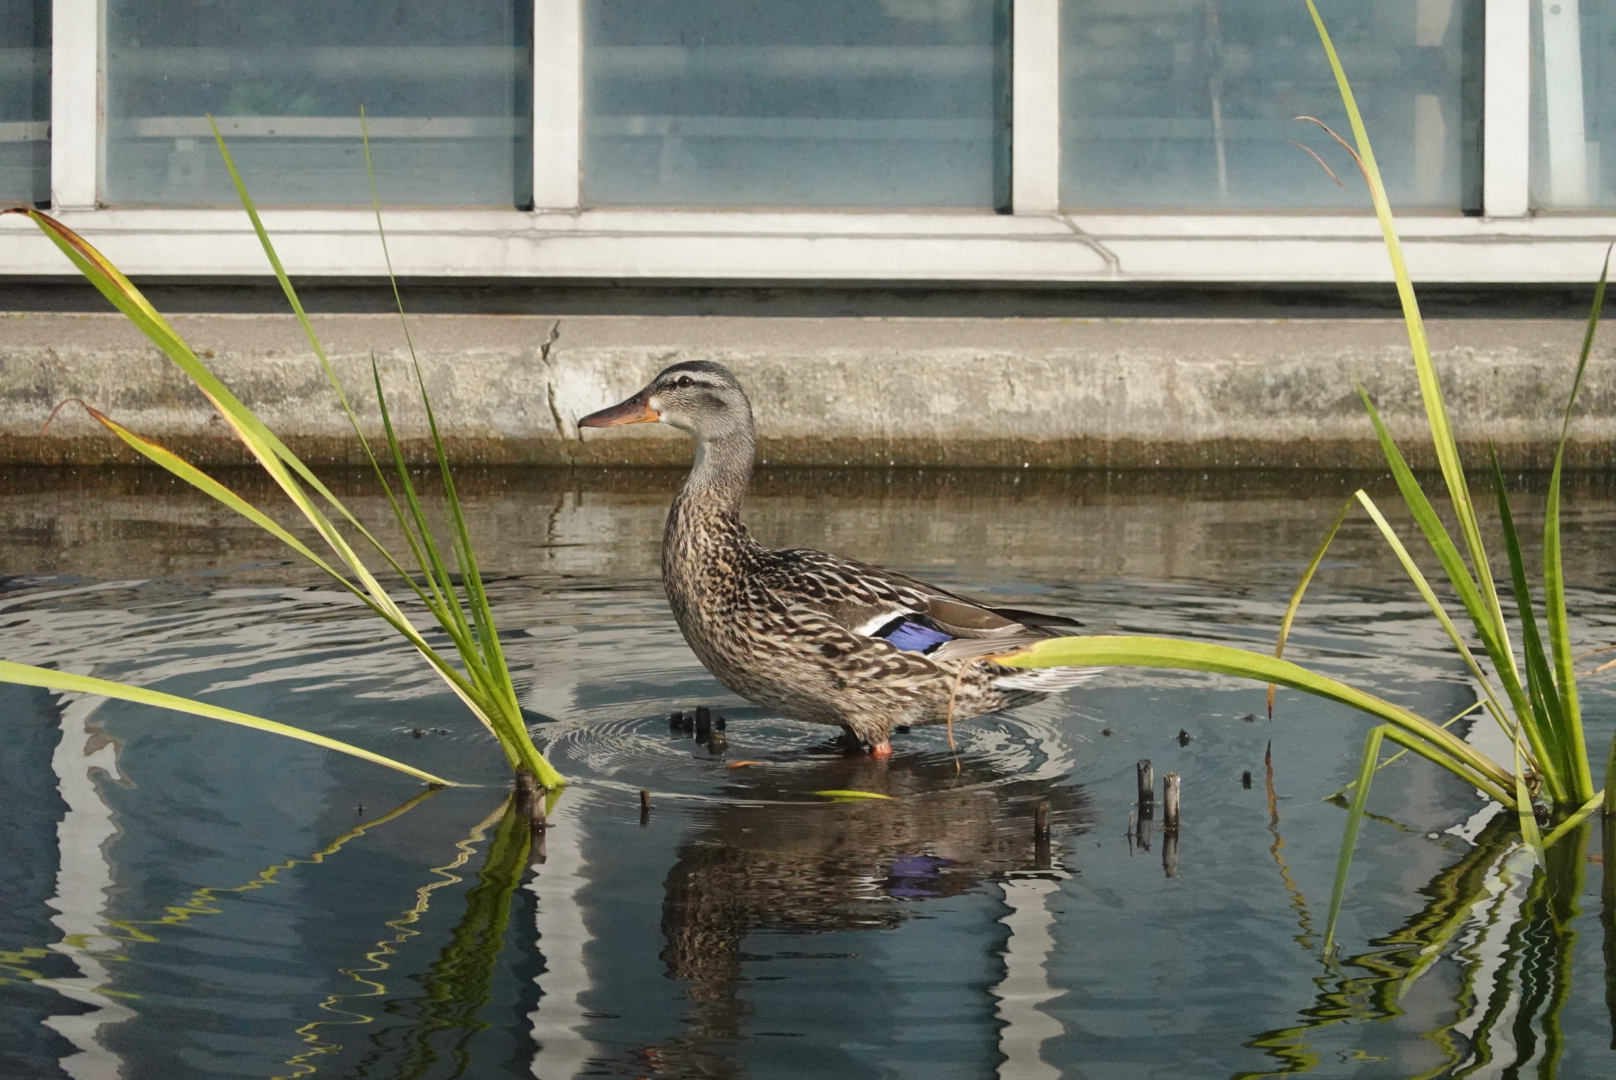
559, 238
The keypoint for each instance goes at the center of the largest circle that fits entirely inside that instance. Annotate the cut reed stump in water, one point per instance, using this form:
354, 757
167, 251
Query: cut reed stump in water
1147, 789
1170, 802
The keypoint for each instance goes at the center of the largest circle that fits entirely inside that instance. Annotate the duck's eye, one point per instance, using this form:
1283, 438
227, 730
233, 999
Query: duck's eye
684, 380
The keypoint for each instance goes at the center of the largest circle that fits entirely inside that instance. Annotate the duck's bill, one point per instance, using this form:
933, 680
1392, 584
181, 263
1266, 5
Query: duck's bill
632, 411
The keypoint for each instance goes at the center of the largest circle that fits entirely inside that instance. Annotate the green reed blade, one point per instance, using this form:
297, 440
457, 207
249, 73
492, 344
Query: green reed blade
1547, 716
505, 715
1577, 818
1526, 814
1157, 652
45, 678
1429, 595
849, 795
1494, 638
1442, 437
1349, 841
184, 470
426, 550
1554, 600
1301, 590
1449, 722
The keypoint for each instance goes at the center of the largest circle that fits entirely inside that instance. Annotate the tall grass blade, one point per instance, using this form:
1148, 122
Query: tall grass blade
1424, 737
1526, 814
1349, 842
1548, 716
45, 678
486, 690
1442, 438
1429, 596
1301, 590
1574, 820
1493, 640
1449, 722
1554, 600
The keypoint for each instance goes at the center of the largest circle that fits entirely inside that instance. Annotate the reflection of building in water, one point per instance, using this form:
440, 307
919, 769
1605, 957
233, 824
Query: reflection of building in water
865, 865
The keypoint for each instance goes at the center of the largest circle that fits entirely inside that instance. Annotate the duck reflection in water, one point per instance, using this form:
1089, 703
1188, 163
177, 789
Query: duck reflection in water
754, 864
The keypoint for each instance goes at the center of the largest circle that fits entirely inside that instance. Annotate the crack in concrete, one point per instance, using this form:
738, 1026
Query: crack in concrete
563, 428
1113, 264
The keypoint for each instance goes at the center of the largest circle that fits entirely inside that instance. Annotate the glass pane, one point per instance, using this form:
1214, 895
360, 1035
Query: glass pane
1189, 104
1573, 105
447, 87
851, 103
24, 101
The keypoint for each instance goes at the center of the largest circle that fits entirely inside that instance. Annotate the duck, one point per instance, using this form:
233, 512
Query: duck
806, 634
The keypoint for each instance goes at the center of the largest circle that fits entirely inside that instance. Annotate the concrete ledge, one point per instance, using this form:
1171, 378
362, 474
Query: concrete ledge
1044, 393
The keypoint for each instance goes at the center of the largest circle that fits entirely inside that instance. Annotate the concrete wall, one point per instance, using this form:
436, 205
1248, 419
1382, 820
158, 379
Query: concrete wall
1119, 393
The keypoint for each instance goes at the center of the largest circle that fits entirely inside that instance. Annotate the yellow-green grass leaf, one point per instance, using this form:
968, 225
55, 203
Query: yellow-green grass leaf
28, 675
1548, 715
1494, 635
1554, 601
1427, 738
1526, 814
848, 794
1349, 842
1301, 590
1442, 438
1577, 818
1449, 722
1509, 724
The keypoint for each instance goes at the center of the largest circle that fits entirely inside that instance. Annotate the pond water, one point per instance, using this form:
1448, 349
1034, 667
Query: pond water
180, 898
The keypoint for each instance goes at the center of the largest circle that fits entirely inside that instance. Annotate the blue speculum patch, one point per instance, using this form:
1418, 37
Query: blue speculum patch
913, 636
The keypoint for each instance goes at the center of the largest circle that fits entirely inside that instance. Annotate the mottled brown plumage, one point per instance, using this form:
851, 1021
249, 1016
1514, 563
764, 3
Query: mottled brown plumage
814, 636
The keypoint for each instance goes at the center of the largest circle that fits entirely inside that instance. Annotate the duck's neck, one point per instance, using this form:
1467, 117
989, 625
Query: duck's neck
718, 479
706, 551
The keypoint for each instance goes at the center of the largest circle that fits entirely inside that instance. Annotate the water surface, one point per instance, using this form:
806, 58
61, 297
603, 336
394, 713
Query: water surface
186, 899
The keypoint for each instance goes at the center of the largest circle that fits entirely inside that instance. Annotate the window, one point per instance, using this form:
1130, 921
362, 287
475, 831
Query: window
832, 103
1178, 104
1573, 105
24, 101
446, 88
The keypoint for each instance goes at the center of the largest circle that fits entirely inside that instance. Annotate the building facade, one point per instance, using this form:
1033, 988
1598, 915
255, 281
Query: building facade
997, 141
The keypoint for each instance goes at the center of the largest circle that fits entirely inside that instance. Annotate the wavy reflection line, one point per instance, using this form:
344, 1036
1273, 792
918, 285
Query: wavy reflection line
1473, 892
1307, 938
199, 902
303, 1064
444, 1018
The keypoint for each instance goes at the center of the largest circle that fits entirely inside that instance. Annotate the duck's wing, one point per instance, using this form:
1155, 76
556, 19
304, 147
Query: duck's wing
873, 602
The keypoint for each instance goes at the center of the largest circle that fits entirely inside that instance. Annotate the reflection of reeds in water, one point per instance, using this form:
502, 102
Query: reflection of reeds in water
202, 901
786, 868
439, 1025
1506, 924
456, 986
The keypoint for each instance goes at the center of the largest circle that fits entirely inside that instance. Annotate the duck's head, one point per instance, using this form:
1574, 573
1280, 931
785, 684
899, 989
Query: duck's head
697, 396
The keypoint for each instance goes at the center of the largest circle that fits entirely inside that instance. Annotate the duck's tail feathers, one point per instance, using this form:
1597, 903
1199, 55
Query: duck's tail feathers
1049, 680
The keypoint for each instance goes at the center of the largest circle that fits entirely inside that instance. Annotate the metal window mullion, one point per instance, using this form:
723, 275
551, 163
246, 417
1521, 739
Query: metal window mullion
1507, 109
557, 103
77, 35
1035, 107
